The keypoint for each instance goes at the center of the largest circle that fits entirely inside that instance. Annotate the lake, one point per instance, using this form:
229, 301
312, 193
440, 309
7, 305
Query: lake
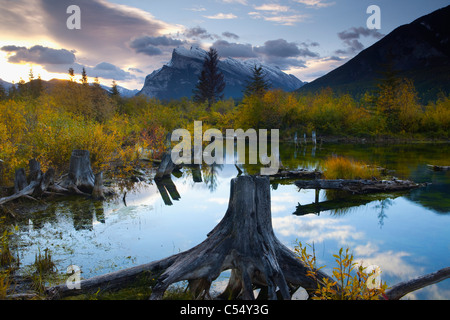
405, 234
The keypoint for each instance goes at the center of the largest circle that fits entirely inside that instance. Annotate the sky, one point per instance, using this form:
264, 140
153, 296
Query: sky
124, 41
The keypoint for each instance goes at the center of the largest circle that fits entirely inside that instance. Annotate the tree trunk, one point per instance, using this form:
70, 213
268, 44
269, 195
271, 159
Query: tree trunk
401, 289
359, 186
80, 174
20, 180
243, 241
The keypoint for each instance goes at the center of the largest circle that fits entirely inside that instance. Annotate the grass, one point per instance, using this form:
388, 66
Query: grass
345, 168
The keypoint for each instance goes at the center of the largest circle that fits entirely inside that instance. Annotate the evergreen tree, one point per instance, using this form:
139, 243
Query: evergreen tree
257, 85
211, 82
84, 78
2, 92
71, 74
114, 92
12, 91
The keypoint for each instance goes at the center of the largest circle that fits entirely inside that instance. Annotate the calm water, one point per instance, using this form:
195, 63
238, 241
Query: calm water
407, 234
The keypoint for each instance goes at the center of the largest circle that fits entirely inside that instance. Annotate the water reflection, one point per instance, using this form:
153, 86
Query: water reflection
399, 232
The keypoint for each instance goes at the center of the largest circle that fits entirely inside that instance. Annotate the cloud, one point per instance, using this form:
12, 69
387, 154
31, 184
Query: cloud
230, 35
106, 27
222, 16
282, 48
39, 55
108, 71
135, 70
272, 7
243, 2
356, 33
277, 16
315, 230
198, 32
149, 45
315, 3
235, 50
196, 9
351, 39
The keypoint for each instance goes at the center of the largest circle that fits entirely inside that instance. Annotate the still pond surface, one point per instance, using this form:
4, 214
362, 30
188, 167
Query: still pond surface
405, 234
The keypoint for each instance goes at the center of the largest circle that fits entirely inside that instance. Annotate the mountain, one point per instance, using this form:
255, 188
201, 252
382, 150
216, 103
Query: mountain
5, 85
419, 51
178, 78
50, 85
124, 92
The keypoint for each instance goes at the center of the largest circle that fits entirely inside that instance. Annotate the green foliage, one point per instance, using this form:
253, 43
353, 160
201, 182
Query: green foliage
257, 85
211, 82
350, 279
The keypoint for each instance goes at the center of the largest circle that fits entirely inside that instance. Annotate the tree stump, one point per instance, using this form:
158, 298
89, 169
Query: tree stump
244, 242
80, 175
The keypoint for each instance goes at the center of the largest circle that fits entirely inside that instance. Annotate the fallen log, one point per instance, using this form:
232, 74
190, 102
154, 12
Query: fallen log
399, 290
438, 168
359, 186
297, 174
243, 242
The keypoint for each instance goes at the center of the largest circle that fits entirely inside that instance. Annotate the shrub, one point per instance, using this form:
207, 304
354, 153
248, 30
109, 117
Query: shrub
350, 279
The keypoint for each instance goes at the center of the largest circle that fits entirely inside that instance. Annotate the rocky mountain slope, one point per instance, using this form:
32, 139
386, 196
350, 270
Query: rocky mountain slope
419, 51
177, 78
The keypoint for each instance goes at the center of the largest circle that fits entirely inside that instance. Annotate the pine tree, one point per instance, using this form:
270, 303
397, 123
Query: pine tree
114, 92
257, 85
84, 78
211, 82
2, 92
71, 74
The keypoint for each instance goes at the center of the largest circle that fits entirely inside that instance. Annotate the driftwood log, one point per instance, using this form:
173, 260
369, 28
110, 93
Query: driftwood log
80, 180
243, 242
359, 186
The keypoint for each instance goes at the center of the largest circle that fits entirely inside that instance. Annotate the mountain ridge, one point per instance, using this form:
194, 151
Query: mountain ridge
178, 77
419, 51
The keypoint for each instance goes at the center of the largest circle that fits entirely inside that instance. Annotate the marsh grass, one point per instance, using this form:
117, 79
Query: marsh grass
344, 168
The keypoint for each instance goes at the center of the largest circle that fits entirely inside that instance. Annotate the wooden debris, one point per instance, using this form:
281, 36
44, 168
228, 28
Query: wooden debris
359, 186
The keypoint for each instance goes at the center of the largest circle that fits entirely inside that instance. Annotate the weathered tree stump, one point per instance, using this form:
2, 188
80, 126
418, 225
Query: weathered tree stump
80, 180
20, 180
80, 175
